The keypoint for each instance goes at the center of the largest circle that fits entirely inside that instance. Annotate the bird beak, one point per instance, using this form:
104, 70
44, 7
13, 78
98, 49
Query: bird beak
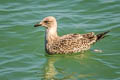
36, 25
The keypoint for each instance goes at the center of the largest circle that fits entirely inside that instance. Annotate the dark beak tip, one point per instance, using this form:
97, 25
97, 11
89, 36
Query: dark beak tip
36, 25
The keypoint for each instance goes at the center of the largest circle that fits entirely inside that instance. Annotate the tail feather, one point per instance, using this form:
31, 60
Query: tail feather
102, 35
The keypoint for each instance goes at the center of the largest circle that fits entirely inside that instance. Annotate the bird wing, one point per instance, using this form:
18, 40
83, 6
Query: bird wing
91, 37
88, 38
74, 42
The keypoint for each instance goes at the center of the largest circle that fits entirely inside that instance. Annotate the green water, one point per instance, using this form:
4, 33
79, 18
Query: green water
22, 55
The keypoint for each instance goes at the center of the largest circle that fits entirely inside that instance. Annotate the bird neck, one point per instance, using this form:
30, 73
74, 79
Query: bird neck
51, 34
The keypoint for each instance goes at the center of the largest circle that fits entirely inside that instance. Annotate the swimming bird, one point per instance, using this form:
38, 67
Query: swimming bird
66, 44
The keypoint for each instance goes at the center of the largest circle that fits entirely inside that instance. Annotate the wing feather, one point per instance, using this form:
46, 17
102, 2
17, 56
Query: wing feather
73, 43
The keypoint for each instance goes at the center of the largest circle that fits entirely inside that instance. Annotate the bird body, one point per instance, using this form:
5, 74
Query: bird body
70, 43
66, 44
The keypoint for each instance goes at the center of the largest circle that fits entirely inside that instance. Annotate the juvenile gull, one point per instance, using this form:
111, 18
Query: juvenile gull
66, 44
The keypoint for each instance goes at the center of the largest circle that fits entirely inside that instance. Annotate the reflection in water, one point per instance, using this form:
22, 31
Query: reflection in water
51, 71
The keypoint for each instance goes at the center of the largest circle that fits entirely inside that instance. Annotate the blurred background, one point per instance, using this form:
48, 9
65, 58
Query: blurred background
22, 54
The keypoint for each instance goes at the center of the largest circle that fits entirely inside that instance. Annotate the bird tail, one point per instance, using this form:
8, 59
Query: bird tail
101, 35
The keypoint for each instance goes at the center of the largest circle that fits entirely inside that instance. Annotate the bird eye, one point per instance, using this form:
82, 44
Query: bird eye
46, 21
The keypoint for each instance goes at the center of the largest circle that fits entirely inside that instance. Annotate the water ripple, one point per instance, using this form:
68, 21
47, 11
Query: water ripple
22, 45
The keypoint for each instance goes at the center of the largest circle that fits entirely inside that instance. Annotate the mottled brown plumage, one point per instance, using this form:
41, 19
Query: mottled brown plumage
70, 43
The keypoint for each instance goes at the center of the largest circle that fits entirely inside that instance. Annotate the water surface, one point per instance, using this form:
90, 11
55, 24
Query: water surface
22, 55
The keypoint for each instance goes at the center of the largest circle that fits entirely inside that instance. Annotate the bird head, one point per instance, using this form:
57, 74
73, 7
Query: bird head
47, 22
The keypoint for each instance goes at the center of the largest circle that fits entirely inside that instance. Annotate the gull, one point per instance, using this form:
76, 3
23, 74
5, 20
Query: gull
69, 43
